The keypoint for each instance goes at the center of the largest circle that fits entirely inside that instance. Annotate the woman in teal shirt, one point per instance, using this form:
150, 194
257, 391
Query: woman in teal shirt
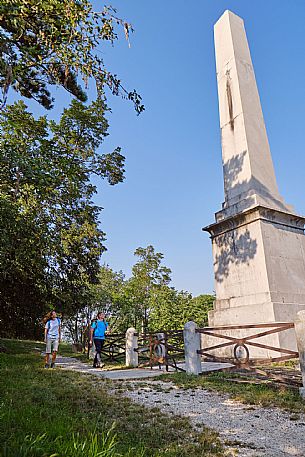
98, 332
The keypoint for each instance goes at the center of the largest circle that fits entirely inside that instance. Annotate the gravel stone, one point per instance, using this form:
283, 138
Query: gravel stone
255, 431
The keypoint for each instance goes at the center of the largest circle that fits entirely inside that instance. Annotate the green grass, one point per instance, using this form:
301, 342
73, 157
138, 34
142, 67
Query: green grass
253, 394
46, 413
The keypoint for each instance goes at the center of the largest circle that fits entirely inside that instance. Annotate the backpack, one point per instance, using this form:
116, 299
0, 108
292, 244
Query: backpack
49, 325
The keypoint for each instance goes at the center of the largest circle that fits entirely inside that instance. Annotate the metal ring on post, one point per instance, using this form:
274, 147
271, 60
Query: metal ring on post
237, 357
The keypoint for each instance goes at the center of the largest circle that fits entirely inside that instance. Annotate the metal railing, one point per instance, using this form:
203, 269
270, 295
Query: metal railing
240, 344
161, 348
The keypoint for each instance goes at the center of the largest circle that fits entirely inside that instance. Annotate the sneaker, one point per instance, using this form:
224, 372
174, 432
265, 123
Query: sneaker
102, 365
47, 365
53, 365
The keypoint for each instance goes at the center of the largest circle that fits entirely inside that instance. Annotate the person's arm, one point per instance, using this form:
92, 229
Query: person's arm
59, 333
91, 334
107, 329
45, 333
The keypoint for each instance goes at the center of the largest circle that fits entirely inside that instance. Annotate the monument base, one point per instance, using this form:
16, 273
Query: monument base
259, 265
271, 312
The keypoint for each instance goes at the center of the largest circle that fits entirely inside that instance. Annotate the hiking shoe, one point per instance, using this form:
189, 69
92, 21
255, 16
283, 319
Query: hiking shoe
47, 365
53, 365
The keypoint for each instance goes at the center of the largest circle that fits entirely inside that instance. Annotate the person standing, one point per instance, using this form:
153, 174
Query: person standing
98, 331
52, 335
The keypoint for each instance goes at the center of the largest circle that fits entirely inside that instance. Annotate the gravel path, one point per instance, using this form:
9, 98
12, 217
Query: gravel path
254, 431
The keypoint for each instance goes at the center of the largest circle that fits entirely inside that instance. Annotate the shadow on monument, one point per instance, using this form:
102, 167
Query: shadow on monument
235, 247
246, 188
234, 250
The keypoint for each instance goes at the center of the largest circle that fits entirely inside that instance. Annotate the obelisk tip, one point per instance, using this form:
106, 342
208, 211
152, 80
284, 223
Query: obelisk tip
227, 14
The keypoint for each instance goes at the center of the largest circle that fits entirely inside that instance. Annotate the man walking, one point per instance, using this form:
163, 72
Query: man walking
98, 331
52, 334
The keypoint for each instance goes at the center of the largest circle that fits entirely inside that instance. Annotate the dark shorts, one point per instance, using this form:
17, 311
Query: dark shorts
98, 343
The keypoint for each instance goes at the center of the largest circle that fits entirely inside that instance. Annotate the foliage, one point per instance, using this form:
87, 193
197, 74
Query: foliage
51, 242
200, 307
105, 295
60, 411
146, 300
148, 275
53, 42
171, 309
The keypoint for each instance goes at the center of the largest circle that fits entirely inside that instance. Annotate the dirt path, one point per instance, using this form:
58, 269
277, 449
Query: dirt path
254, 431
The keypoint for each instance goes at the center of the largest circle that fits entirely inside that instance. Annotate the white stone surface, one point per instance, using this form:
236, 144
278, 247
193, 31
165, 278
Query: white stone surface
299, 325
258, 241
249, 176
191, 345
132, 356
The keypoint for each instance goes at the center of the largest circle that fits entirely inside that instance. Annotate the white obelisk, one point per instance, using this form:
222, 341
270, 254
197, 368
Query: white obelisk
258, 241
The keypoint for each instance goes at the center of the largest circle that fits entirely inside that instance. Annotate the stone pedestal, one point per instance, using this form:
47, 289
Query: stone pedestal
259, 267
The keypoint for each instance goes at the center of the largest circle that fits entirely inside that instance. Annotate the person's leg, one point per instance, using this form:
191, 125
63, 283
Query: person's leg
101, 346
54, 352
48, 353
98, 348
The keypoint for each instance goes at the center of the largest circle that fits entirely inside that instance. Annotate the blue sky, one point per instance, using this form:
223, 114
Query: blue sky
174, 182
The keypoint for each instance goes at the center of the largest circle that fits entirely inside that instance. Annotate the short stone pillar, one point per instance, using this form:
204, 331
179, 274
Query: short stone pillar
299, 325
191, 345
92, 351
132, 356
160, 350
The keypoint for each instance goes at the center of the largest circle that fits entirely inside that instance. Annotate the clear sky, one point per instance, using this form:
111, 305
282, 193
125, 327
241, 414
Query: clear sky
174, 180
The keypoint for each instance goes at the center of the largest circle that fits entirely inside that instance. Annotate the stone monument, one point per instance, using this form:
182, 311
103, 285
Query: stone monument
258, 241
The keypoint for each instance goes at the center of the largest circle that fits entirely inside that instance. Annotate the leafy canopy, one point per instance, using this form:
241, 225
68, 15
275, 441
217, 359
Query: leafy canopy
51, 240
46, 43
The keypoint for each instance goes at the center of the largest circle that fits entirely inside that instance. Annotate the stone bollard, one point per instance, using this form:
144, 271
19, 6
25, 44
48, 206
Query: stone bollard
132, 356
161, 352
191, 345
299, 326
92, 351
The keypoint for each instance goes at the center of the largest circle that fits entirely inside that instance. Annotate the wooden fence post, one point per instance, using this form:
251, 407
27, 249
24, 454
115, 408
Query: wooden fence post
191, 345
132, 356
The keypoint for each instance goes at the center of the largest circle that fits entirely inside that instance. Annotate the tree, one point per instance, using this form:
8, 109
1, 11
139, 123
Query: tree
172, 309
49, 225
147, 275
109, 296
51, 242
54, 42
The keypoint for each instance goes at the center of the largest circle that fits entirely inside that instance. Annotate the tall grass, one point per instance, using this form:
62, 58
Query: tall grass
57, 413
94, 445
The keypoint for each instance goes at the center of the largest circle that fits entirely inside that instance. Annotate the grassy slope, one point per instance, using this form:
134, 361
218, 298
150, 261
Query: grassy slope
54, 412
262, 394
